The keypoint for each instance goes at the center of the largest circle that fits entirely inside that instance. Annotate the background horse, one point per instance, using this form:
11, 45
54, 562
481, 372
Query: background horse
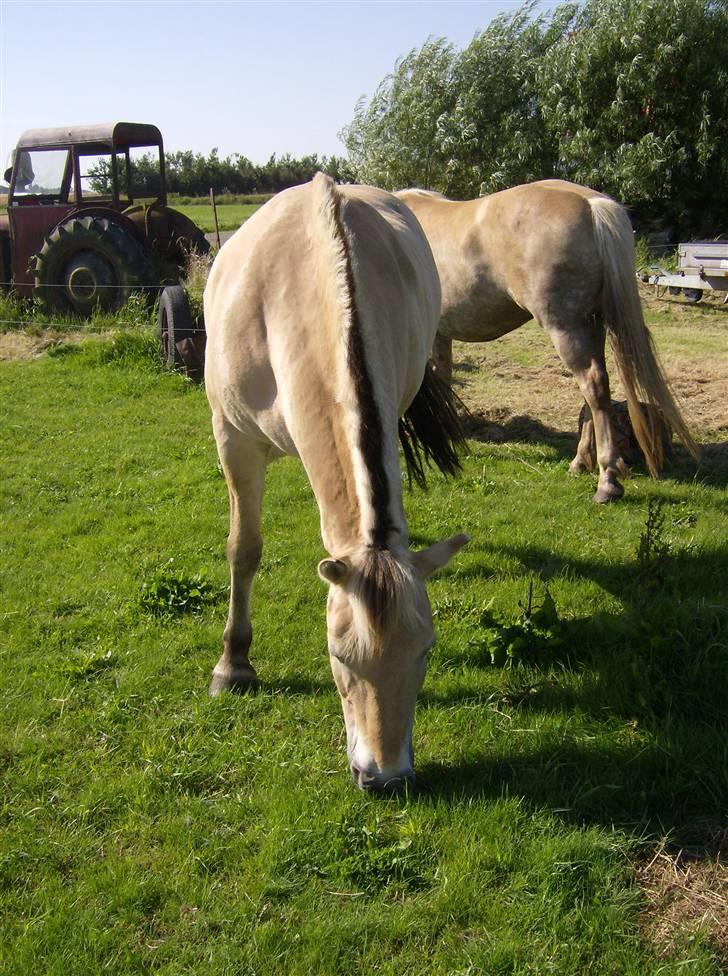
320, 313
564, 255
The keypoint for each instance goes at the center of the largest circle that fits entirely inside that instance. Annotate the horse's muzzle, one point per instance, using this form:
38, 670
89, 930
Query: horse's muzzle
386, 785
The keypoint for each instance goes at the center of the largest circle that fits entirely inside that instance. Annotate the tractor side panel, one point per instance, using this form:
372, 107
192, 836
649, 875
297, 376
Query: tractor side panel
28, 228
6, 269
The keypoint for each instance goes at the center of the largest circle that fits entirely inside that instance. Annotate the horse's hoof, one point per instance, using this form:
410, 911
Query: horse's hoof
578, 467
237, 680
608, 493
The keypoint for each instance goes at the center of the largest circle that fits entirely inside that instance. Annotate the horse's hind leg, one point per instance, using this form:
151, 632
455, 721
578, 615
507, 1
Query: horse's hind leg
581, 349
244, 463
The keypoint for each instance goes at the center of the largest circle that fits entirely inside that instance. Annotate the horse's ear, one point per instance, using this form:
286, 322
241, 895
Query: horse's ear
429, 560
333, 571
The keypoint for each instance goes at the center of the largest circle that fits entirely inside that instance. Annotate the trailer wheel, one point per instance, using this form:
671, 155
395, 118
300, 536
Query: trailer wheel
175, 324
672, 290
88, 263
693, 295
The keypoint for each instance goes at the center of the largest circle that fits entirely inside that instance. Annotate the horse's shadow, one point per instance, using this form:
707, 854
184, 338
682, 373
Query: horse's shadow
523, 429
650, 694
635, 788
711, 468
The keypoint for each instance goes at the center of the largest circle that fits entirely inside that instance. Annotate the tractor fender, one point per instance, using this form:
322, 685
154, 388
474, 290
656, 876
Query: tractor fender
101, 212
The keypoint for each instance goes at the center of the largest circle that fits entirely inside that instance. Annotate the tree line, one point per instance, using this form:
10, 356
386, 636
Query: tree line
194, 174
627, 96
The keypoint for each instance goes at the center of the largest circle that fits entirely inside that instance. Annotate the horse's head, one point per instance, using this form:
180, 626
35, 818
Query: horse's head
380, 632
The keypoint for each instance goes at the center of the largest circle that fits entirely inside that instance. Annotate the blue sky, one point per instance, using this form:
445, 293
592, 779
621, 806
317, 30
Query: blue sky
247, 77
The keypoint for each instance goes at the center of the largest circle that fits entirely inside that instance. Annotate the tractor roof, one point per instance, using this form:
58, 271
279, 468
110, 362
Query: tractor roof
117, 135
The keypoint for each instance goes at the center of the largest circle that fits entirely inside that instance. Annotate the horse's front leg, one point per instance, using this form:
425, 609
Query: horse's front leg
442, 357
244, 464
585, 458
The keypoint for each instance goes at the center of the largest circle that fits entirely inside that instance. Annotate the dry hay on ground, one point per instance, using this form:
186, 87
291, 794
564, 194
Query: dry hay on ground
19, 345
685, 896
518, 382
22, 345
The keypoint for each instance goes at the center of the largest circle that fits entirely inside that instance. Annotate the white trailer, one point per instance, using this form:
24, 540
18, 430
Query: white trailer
703, 266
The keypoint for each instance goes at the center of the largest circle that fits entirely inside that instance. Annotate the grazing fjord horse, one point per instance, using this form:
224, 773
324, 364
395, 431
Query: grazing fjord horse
320, 314
564, 255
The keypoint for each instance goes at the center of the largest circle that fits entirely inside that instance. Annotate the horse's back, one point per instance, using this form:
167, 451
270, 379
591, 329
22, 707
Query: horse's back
397, 285
277, 299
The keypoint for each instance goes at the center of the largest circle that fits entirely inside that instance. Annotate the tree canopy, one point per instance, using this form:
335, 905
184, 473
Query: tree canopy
627, 96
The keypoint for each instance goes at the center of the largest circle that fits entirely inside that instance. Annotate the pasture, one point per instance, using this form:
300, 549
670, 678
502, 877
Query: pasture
572, 798
229, 215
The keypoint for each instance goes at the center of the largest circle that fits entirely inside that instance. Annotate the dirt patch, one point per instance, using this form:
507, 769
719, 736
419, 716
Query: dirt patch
21, 345
685, 896
521, 376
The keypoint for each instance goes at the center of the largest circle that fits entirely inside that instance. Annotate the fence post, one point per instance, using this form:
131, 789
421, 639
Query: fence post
214, 216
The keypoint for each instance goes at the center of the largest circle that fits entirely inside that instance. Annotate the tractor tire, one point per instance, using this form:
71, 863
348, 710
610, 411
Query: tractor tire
175, 324
88, 263
171, 238
693, 295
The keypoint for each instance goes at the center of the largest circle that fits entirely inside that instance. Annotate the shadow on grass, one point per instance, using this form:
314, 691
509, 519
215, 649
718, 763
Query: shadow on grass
647, 789
712, 468
648, 687
524, 429
684, 572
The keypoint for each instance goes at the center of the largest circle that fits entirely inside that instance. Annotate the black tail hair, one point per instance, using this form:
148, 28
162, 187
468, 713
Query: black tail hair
431, 431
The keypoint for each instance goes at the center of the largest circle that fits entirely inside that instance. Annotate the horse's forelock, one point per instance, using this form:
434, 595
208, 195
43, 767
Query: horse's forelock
383, 596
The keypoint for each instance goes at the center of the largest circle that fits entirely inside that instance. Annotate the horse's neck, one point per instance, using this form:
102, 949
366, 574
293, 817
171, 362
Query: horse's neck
357, 485
358, 508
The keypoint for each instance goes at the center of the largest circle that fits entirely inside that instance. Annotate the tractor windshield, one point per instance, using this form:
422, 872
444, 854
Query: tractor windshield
43, 172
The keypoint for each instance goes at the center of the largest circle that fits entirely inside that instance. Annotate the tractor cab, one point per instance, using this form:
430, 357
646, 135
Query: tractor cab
117, 163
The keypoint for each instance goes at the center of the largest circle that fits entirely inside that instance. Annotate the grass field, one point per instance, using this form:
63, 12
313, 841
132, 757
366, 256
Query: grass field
229, 215
572, 807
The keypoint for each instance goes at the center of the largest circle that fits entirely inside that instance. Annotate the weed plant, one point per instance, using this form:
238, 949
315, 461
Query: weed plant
647, 257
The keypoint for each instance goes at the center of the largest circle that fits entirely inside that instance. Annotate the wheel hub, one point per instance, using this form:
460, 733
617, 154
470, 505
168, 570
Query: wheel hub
87, 279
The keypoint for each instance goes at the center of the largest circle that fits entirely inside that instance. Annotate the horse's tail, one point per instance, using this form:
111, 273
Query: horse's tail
630, 339
431, 431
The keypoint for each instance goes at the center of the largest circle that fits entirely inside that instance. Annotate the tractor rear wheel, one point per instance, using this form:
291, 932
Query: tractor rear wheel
88, 263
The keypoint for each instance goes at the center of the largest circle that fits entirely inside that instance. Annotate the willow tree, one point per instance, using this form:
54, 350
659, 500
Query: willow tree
392, 139
495, 136
635, 97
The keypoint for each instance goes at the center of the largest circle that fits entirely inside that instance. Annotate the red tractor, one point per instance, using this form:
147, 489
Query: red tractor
87, 219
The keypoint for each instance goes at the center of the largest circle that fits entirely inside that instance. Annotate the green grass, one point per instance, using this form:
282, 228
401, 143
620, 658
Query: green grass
229, 215
149, 828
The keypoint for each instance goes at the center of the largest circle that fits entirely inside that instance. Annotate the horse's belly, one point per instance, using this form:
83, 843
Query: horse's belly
479, 322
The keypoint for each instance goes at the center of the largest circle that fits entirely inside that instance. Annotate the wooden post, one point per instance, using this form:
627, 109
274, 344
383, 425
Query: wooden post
214, 216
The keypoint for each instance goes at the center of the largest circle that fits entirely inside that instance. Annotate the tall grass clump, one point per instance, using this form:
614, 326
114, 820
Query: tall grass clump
30, 315
653, 256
